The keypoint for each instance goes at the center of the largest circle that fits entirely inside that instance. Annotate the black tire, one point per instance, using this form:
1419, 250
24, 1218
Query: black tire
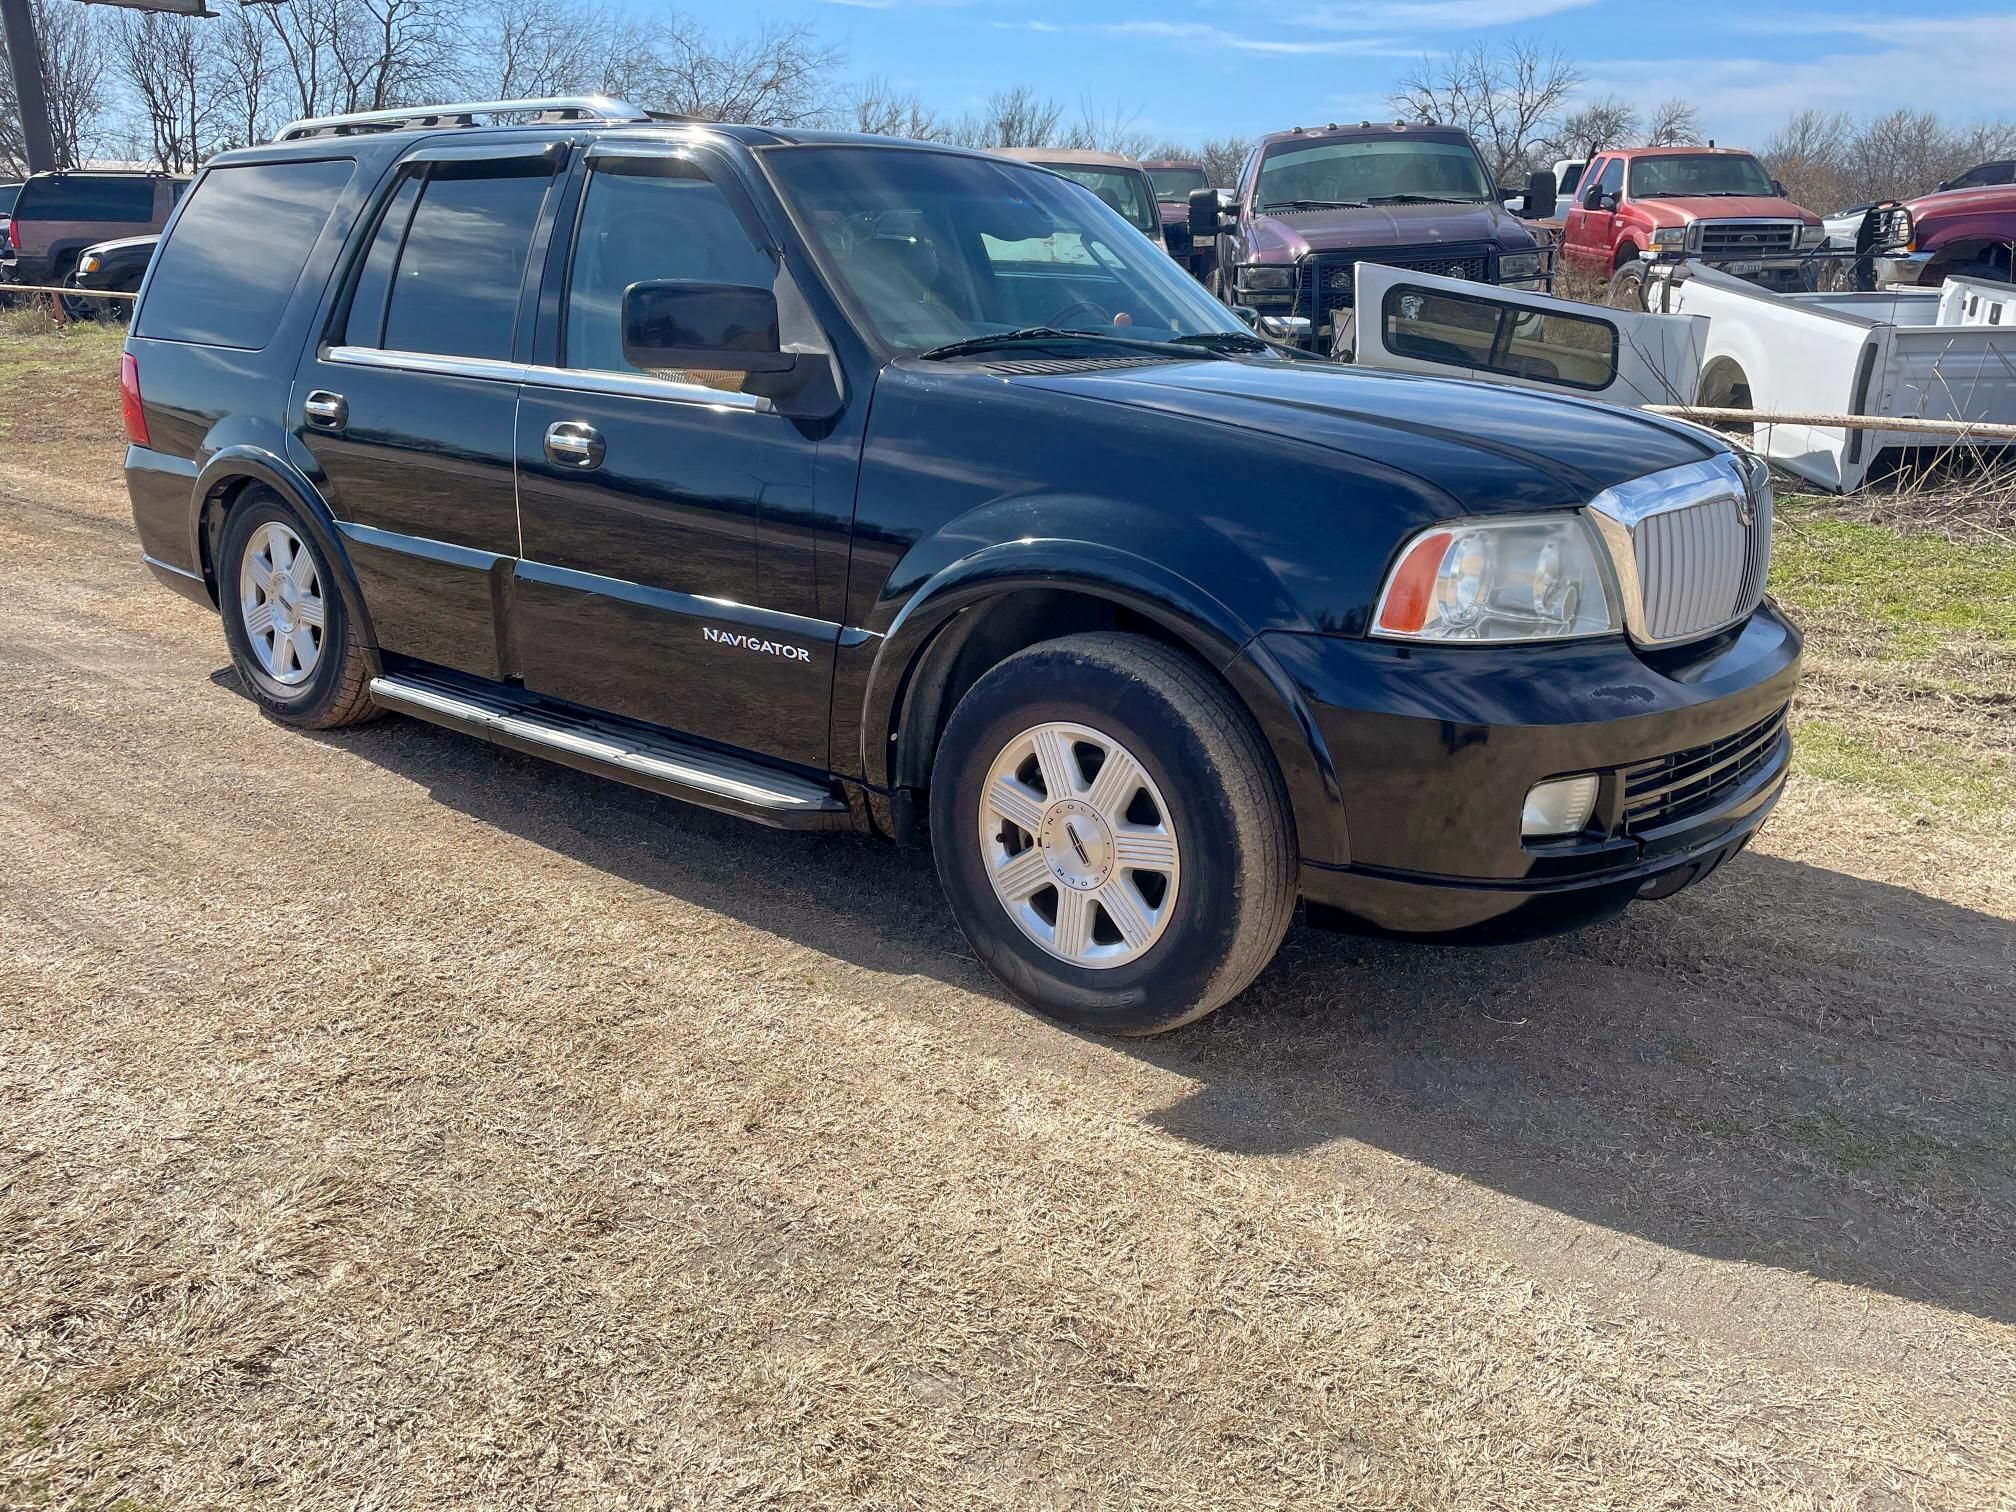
337, 691
1227, 808
1627, 288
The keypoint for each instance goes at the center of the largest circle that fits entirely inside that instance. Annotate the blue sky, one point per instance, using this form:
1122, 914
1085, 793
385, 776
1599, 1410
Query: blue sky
1199, 68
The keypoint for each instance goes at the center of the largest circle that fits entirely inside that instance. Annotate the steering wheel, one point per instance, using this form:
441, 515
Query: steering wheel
1104, 315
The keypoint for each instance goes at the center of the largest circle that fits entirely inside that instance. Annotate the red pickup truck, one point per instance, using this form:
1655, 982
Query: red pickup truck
1713, 204
1970, 231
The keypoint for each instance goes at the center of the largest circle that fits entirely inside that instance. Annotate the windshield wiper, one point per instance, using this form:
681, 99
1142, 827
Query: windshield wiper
1309, 204
1026, 334
1223, 341
1426, 199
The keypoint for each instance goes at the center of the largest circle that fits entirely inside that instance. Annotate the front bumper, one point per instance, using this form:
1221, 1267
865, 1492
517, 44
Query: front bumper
1899, 267
1435, 748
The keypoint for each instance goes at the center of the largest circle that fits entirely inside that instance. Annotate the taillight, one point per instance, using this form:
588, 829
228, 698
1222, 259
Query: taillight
14, 234
129, 400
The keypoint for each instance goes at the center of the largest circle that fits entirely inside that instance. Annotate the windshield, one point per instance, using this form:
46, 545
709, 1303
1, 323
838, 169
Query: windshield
1693, 174
1367, 171
931, 248
1125, 189
1175, 183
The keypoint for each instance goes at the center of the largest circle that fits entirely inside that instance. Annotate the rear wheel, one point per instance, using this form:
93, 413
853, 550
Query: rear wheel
1112, 834
290, 628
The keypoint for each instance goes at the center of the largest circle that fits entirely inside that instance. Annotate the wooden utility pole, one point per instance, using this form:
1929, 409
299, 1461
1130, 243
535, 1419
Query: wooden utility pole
25, 53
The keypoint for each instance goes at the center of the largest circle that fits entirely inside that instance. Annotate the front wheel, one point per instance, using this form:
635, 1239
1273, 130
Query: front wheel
1112, 833
1627, 287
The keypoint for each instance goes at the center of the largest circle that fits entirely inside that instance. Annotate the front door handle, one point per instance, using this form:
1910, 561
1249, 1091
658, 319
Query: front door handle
574, 443
326, 411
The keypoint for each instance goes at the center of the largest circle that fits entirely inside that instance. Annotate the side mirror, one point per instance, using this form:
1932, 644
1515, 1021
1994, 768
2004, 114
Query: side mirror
1210, 212
1944, 186
1542, 198
1778, 189
722, 328
1592, 197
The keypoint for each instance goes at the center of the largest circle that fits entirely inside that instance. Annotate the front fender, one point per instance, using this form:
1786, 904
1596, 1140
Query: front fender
895, 750
233, 466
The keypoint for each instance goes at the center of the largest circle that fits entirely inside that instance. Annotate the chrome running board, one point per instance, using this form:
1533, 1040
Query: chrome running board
614, 748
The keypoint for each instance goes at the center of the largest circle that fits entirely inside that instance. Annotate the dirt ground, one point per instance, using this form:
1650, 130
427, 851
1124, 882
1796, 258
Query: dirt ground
390, 1121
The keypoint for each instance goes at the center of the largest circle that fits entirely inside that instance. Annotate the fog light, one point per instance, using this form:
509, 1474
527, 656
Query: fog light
1559, 806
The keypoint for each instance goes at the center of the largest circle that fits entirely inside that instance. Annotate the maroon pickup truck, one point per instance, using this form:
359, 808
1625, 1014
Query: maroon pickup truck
1969, 232
1175, 180
1314, 202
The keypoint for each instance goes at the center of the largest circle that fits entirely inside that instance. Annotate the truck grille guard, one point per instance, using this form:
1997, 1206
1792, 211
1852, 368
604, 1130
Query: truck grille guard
1326, 284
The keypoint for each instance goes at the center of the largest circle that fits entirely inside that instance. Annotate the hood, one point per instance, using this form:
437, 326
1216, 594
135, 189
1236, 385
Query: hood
1292, 234
1492, 449
1677, 210
1989, 199
122, 244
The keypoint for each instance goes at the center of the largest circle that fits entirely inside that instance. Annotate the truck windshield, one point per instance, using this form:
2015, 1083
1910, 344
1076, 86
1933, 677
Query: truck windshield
1125, 189
931, 248
1176, 183
1362, 171
1689, 175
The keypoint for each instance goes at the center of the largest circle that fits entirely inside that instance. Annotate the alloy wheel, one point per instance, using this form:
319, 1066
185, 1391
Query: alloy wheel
281, 604
1080, 845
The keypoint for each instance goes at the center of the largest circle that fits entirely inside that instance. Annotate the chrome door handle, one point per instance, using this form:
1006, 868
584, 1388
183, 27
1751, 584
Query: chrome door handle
325, 411
574, 443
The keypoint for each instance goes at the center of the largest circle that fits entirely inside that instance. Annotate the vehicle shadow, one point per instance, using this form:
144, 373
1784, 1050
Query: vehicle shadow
1786, 1065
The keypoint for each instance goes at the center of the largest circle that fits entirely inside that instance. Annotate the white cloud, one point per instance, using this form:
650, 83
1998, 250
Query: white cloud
1198, 34
1960, 69
1443, 15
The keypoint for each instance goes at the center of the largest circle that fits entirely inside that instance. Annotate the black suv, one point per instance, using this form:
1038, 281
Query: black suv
847, 483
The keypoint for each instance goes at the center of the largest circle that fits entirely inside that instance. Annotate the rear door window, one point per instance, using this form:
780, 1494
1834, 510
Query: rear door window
447, 263
87, 197
226, 274
1491, 336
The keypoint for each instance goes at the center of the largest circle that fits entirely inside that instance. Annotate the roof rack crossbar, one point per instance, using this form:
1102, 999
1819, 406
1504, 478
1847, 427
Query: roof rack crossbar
409, 117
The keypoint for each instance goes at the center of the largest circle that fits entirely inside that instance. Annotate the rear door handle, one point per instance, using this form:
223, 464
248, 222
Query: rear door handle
574, 443
326, 411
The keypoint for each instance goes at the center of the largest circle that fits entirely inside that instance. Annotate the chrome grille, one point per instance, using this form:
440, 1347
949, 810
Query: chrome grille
1325, 283
1691, 548
1740, 239
1671, 788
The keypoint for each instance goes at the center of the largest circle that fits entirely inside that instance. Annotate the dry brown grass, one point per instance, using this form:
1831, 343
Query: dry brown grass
390, 1121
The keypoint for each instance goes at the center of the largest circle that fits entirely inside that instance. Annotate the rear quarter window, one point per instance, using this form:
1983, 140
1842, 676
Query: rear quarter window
128, 201
230, 265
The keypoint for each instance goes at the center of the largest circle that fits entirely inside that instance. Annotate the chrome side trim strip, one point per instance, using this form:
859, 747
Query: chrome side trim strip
421, 546
688, 605
161, 566
574, 380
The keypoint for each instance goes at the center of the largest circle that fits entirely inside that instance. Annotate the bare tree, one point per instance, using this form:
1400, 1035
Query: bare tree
778, 75
1222, 158
1507, 100
1827, 161
244, 77
1016, 117
161, 61
1107, 128
75, 79
1604, 123
1673, 123
875, 105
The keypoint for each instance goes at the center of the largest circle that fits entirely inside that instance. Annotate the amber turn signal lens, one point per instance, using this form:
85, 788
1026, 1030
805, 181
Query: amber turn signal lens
1412, 589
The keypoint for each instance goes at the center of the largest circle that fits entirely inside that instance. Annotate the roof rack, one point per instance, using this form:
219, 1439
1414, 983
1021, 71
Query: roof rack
424, 117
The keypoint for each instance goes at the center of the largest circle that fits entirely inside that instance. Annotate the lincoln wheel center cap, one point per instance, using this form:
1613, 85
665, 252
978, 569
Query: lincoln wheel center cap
1078, 844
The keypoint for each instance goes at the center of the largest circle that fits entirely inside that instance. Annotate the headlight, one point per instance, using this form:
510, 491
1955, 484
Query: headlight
1812, 236
87, 265
1669, 236
1535, 578
1519, 265
1267, 278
